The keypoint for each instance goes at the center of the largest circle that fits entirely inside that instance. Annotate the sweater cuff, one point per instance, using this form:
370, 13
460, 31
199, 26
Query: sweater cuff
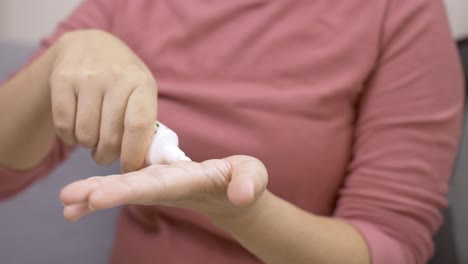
382, 247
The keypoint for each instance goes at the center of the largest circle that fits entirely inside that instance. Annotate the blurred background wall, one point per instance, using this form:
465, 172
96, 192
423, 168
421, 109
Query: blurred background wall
27, 21
458, 15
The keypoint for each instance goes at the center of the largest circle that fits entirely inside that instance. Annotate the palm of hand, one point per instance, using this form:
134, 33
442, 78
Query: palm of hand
213, 187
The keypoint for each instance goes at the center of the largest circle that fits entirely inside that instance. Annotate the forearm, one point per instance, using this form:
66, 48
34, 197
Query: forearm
27, 132
278, 232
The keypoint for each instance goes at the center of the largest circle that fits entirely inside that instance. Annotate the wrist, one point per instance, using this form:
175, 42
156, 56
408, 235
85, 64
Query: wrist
44, 66
247, 215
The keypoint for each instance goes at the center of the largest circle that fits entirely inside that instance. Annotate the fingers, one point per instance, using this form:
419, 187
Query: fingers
136, 189
108, 108
88, 115
79, 191
112, 125
109, 191
200, 186
140, 116
146, 187
152, 185
63, 108
248, 179
76, 211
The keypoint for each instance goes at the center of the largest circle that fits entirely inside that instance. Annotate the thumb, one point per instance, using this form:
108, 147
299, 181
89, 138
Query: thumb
249, 179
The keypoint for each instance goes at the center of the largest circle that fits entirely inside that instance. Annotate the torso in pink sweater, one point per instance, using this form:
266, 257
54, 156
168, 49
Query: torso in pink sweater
353, 106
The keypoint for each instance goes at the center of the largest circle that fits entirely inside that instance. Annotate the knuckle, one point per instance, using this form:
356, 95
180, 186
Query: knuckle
86, 142
89, 75
134, 80
140, 121
63, 125
63, 128
147, 79
124, 68
130, 81
105, 158
111, 142
119, 70
61, 76
81, 75
130, 74
108, 151
60, 112
85, 136
123, 73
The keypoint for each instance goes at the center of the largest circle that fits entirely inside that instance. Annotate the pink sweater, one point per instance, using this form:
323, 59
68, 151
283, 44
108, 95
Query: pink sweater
354, 107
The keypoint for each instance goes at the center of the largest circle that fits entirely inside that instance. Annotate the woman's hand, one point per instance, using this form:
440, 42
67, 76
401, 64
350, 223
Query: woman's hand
103, 97
218, 188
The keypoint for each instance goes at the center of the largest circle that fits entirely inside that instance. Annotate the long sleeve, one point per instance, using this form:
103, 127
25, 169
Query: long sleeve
407, 135
89, 14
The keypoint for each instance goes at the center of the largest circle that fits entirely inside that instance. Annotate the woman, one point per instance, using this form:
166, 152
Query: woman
351, 110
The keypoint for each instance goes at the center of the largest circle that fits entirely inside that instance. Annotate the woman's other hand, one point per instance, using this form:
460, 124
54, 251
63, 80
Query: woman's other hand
103, 97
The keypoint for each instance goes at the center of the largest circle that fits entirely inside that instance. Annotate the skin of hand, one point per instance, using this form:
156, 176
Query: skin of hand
232, 193
218, 188
103, 98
